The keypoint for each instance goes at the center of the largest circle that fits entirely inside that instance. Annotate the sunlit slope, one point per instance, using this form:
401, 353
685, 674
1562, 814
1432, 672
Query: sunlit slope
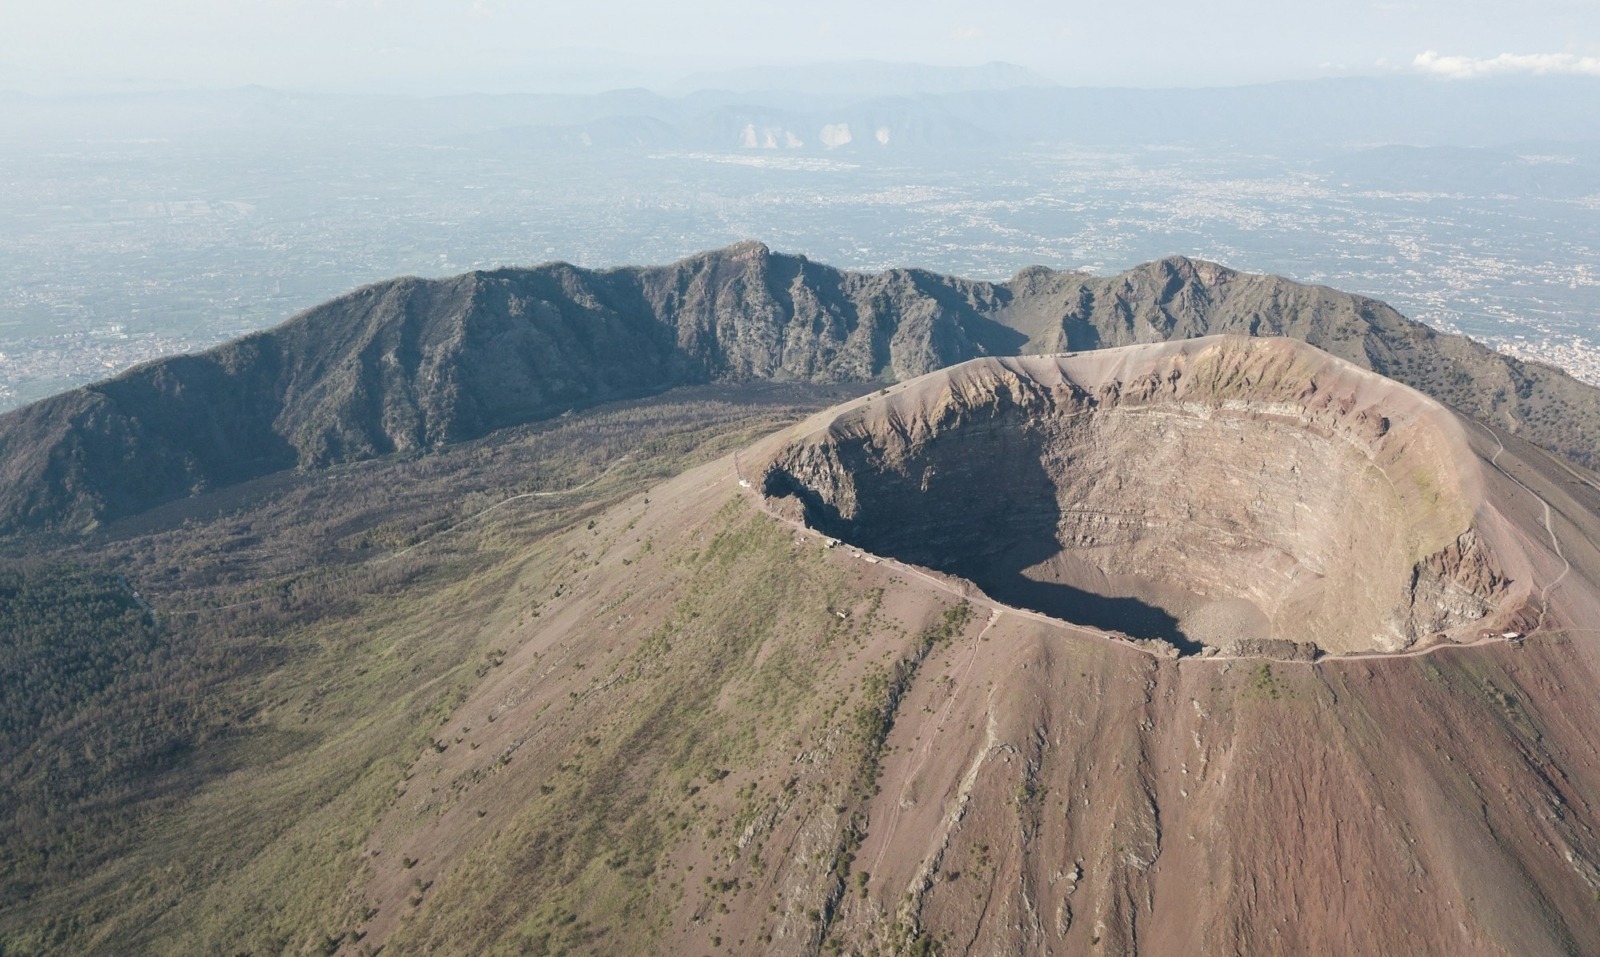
656, 713
724, 734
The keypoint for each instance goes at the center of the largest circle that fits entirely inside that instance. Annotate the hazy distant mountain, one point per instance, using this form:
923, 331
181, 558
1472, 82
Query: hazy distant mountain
873, 125
412, 365
994, 104
863, 78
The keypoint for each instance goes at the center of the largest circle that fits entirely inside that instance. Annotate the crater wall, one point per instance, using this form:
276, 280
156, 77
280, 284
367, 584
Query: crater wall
1216, 493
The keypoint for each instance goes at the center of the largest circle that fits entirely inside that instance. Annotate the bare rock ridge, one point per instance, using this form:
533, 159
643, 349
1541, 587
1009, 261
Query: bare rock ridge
411, 365
1219, 493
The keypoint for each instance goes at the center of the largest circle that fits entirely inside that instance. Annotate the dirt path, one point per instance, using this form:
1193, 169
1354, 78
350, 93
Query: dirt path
1555, 542
1408, 653
504, 502
925, 749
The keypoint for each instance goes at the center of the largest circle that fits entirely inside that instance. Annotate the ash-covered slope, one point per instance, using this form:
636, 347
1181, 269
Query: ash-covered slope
411, 365
1222, 492
724, 735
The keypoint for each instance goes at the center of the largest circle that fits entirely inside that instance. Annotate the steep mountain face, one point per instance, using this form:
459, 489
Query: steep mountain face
1180, 298
413, 365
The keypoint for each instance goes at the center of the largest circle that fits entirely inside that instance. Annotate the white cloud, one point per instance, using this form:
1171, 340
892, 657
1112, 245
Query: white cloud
970, 32
1465, 67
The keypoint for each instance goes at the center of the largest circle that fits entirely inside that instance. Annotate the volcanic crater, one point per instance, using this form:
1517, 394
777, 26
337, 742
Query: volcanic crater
1221, 495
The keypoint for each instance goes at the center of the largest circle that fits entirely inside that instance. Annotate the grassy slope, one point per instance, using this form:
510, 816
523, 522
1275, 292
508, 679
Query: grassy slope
708, 761
310, 690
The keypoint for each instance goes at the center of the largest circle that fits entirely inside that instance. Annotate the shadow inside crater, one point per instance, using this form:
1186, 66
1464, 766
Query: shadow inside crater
977, 503
1081, 607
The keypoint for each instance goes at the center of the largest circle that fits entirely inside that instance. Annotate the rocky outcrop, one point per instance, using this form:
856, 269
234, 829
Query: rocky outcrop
1459, 583
1279, 649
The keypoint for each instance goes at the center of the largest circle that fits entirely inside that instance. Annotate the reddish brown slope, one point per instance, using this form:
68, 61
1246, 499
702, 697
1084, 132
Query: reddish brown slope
710, 733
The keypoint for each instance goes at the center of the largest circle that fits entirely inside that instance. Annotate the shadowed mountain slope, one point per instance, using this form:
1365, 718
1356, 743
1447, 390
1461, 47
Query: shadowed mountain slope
412, 365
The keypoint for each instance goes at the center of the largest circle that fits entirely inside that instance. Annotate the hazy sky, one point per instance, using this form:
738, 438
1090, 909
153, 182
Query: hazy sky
422, 46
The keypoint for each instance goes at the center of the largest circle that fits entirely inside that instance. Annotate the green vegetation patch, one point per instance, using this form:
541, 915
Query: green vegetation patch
713, 687
205, 782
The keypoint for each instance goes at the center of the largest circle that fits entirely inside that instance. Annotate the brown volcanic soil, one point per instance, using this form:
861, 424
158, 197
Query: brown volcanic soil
710, 732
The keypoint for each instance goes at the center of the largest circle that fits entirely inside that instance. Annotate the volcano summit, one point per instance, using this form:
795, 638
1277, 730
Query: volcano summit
1220, 493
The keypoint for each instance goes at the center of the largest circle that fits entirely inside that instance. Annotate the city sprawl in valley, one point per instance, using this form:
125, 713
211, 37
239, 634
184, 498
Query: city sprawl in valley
125, 247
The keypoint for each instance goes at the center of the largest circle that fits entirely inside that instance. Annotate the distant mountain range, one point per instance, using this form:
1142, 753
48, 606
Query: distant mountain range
979, 107
411, 365
857, 78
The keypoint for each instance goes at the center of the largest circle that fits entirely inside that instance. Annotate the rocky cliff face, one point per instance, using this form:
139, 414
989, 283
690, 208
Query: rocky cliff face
1206, 493
1179, 298
410, 365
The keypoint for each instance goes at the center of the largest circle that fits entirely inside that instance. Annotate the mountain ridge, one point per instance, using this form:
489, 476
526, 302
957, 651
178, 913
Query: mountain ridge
408, 365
